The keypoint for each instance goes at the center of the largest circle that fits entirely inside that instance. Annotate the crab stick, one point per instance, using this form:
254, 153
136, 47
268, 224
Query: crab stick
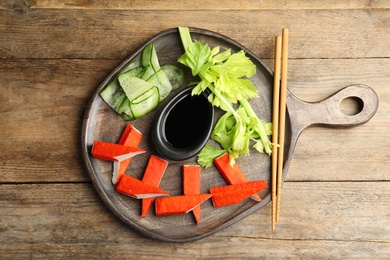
153, 174
231, 174
179, 204
191, 185
137, 189
113, 152
130, 137
235, 193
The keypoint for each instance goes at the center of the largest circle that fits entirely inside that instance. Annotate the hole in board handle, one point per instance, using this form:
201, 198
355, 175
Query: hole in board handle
351, 106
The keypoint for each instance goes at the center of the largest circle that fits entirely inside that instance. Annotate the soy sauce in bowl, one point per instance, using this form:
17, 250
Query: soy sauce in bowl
183, 126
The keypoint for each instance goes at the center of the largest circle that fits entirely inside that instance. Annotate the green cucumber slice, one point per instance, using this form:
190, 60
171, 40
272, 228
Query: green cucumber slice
142, 85
133, 86
174, 74
145, 103
132, 65
145, 56
127, 117
149, 71
113, 95
135, 72
160, 80
149, 57
154, 60
125, 110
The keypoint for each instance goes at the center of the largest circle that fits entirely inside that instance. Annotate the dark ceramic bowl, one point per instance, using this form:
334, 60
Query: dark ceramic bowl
182, 128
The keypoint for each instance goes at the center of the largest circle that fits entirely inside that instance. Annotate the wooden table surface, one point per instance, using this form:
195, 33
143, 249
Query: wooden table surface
54, 54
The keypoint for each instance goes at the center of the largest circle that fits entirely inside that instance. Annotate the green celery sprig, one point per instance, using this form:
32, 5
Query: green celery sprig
226, 75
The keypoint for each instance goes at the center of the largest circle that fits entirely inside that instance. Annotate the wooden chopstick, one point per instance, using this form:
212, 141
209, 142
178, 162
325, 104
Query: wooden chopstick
275, 123
282, 117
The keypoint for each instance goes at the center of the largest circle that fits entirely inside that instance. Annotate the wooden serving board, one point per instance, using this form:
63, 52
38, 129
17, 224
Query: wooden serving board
103, 124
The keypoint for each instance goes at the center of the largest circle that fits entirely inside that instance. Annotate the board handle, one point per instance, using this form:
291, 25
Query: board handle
328, 112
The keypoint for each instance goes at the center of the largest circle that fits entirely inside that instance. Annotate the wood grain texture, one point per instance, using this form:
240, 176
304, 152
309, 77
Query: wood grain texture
318, 220
55, 53
194, 4
39, 33
42, 106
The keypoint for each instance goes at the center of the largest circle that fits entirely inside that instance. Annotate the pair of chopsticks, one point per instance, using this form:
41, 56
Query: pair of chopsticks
278, 120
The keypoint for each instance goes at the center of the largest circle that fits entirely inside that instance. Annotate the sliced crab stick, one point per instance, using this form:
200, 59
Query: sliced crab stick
137, 189
179, 204
153, 174
113, 152
130, 137
191, 185
231, 174
235, 193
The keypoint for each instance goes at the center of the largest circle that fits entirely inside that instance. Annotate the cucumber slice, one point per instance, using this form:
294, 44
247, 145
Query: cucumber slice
160, 80
127, 117
175, 75
125, 110
113, 95
132, 65
133, 86
145, 103
149, 71
149, 57
145, 56
142, 85
135, 72
153, 72
122, 106
154, 60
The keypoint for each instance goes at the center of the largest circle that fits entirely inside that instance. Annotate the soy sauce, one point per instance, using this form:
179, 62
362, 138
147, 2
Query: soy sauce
186, 123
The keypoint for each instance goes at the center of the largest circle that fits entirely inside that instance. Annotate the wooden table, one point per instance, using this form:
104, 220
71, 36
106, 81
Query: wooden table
54, 54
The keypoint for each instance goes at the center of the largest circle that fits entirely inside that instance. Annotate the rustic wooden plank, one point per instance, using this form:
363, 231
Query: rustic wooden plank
330, 211
380, 3
113, 34
221, 248
42, 104
30, 129
321, 220
195, 5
